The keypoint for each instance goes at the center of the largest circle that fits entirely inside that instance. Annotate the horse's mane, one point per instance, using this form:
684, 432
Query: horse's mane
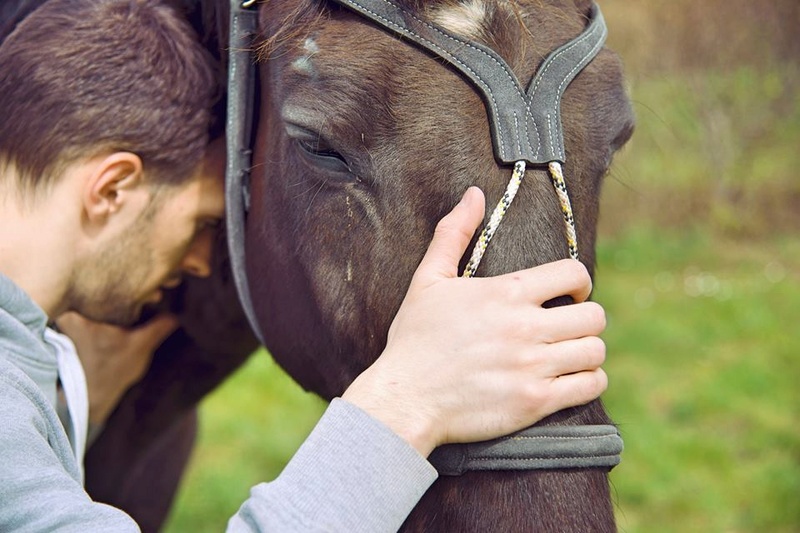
304, 14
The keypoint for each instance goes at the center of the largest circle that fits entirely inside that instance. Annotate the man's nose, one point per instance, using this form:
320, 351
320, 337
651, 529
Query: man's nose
198, 258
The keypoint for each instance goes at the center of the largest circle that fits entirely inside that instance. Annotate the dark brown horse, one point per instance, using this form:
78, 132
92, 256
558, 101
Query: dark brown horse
363, 143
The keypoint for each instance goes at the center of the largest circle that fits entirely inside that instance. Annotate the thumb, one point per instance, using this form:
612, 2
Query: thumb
451, 238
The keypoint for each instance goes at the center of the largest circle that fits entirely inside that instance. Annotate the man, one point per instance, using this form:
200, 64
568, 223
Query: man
104, 120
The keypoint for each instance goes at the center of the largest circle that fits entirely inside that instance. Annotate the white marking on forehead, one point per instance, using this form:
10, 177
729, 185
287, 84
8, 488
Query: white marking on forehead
303, 63
466, 19
310, 46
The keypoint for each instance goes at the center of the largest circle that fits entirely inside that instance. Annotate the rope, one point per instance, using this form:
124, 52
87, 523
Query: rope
494, 221
557, 177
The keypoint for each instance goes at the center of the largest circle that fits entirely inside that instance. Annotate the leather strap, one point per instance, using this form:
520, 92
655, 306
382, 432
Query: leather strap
238, 132
525, 125
534, 448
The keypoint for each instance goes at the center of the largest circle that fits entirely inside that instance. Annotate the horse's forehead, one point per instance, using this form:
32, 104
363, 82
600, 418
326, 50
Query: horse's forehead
468, 19
304, 63
326, 44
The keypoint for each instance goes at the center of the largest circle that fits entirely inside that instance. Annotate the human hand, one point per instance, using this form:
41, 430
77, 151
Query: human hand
473, 359
113, 358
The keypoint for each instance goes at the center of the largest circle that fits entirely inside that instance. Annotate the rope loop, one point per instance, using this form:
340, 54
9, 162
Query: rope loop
494, 220
560, 185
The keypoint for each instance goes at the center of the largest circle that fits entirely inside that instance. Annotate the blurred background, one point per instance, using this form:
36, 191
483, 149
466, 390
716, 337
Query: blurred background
699, 272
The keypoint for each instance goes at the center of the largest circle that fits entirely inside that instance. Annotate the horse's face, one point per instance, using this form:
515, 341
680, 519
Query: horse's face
365, 142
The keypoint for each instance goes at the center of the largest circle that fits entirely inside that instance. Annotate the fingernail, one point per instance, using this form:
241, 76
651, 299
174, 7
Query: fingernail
466, 195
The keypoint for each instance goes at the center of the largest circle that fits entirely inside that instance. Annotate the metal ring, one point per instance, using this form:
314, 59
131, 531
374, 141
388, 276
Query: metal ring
248, 3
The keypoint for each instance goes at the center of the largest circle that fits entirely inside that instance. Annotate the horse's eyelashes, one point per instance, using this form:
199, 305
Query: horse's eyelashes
319, 149
319, 153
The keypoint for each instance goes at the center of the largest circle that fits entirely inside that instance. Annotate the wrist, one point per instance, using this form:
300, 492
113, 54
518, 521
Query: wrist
384, 402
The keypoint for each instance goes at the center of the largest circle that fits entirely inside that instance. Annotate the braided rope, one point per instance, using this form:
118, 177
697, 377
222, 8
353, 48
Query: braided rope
494, 221
557, 177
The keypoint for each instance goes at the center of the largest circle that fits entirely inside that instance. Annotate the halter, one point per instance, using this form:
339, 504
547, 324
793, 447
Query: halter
525, 125
526, 129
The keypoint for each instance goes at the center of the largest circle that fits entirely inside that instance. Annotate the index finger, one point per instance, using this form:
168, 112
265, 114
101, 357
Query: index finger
566, 277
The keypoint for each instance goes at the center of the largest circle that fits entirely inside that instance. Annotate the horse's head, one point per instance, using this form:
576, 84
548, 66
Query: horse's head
364, 141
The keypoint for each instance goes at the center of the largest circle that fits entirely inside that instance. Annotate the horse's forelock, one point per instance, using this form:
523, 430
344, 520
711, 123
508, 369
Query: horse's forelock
295, 22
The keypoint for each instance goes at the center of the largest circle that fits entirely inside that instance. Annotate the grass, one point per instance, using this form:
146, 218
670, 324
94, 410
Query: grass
699, 272
703, 365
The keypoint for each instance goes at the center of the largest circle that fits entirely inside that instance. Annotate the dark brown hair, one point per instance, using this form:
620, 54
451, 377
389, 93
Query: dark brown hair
82, 77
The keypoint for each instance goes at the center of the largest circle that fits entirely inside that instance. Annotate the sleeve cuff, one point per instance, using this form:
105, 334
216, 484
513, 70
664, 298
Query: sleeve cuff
351, 474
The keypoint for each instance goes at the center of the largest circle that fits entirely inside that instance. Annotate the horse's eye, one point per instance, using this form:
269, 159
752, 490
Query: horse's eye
324, 154
316, 150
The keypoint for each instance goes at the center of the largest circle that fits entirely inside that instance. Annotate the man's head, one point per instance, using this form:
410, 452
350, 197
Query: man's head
103, 125
86, 77
151, 248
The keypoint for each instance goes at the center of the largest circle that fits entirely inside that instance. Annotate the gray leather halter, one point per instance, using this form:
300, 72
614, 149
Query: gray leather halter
525, 125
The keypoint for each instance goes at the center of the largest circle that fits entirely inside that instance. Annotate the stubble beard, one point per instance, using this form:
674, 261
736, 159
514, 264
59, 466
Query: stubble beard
109, 288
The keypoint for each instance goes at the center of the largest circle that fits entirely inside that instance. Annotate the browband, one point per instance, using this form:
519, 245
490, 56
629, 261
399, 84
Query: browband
525, 125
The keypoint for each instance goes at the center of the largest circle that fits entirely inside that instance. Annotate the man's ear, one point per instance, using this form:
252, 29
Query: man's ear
113, 181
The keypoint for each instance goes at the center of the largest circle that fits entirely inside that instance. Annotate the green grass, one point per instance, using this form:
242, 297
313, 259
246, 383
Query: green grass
703, 364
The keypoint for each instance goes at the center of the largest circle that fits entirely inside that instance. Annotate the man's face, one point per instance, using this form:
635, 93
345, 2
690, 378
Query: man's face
172, 237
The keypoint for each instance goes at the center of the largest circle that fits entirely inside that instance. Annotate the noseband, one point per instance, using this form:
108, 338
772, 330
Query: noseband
526, 130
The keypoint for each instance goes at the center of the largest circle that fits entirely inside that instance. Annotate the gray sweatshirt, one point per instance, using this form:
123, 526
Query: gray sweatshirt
351, 474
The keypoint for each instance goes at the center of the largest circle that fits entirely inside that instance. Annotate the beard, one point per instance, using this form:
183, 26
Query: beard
111, 287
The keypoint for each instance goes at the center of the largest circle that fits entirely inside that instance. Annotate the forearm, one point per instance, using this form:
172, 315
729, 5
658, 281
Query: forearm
351, 474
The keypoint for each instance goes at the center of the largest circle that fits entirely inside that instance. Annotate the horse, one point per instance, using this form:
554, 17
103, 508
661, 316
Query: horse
359, 149
363, 141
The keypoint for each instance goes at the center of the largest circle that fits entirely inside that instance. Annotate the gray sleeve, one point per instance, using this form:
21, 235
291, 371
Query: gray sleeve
37, 491
351, 474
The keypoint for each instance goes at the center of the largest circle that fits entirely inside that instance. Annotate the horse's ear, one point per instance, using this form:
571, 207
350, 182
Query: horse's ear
584, 6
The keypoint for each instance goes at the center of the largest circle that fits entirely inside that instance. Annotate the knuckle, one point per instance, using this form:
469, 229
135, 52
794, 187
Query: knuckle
511, 288
536, 395
579, 275
522, 325
596, 316
596, 349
